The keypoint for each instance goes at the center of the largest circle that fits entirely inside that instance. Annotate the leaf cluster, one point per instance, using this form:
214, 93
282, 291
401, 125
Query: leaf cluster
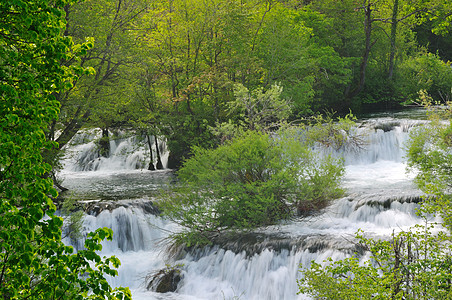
429, 155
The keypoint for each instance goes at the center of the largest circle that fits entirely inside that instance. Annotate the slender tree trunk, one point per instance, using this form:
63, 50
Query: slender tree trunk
72, 128
367, 47
395, 12
57, 184
151, 163
157, 151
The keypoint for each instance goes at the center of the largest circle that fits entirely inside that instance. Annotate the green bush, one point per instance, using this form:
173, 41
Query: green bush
429, 153
254, 180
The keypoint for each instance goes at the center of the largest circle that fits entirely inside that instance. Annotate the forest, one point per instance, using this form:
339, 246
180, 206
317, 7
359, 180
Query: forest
219, 81
168, 68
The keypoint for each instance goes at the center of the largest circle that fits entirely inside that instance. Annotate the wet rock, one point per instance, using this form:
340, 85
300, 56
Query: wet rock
95, 207
388, 126
165, 280
385, 201
254, 243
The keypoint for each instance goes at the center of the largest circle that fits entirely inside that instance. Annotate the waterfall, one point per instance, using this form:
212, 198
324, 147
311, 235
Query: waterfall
264, 264
383, 140
127, 152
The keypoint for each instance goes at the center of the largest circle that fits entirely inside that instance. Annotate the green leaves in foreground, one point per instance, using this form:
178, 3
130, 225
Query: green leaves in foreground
411, 265
34, 263
256, 179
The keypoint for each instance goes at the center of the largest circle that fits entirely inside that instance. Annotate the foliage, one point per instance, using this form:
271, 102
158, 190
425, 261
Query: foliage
174, 65
73, 218
339, 133
412, 265
439, 44
428, 72
429, 153
34, 263
99, 97
285, 58
253, 180
259, 110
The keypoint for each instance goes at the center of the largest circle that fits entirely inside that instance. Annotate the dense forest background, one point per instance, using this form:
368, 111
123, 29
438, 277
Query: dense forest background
168, 68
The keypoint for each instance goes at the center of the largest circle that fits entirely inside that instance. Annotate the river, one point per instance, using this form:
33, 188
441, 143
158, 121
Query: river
380, 198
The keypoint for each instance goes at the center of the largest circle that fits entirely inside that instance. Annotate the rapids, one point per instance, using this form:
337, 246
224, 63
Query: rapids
381, 198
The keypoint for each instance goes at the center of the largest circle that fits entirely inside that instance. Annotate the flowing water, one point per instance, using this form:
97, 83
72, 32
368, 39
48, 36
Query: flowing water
381, 198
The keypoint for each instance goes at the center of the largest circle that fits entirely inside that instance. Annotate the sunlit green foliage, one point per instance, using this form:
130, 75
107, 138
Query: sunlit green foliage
430, 154
100, 97
259, 110
173, 65
426, 72
34, 263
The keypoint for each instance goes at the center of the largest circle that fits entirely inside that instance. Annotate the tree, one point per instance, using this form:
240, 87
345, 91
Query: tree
195, 52
439, 44
426, 72
34, 263
100, 98
259, 110
372, 38
430, 154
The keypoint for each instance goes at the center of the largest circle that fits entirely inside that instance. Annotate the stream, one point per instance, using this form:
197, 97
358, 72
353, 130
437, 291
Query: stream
380, 198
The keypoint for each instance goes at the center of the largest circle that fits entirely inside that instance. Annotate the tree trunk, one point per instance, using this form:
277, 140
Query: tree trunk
395, 12
368, 46
104, 143
151, 162
72, 128
157, 151
173, 162
57, 183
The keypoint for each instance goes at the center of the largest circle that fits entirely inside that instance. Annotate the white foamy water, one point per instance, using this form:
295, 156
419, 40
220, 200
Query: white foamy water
380, 198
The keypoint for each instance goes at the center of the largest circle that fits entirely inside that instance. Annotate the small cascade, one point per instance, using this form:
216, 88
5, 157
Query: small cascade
127, 152
383, 140
133, 224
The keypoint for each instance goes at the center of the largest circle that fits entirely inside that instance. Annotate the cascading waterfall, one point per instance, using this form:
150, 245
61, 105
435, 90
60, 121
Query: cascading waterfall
381, 198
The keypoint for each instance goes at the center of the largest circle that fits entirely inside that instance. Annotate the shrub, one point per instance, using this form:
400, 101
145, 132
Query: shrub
256, 179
